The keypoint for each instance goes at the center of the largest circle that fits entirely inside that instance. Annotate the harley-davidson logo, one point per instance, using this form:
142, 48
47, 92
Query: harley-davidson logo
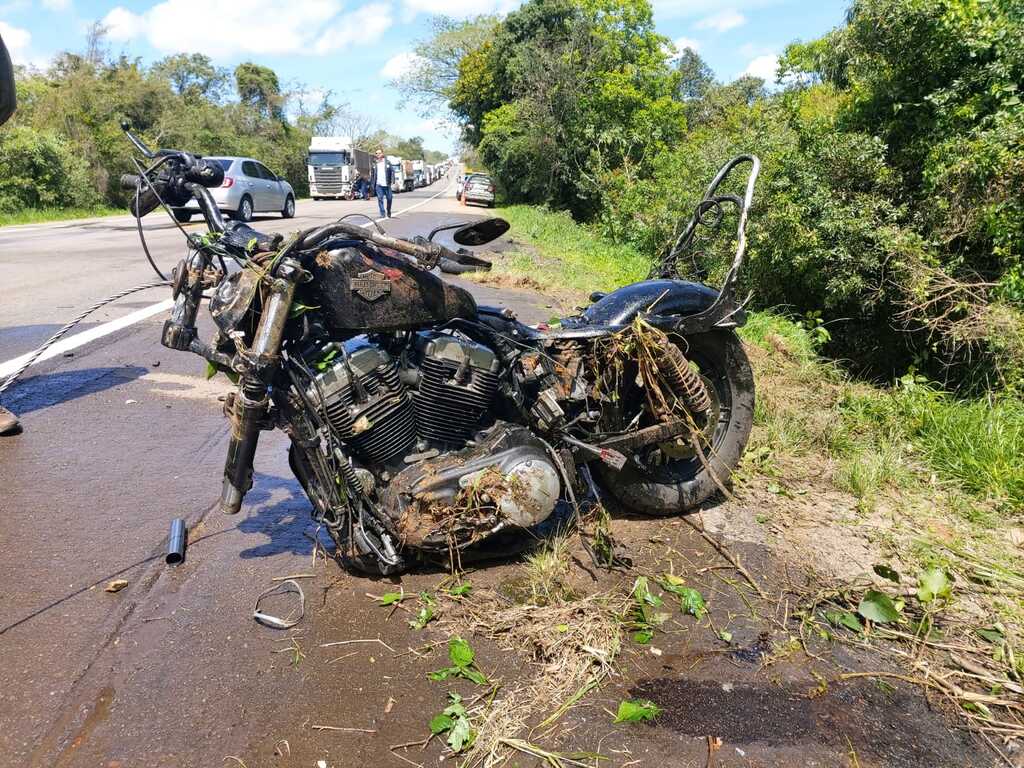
371, 285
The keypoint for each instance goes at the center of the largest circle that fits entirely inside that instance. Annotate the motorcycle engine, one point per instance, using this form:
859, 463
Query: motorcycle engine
423, 425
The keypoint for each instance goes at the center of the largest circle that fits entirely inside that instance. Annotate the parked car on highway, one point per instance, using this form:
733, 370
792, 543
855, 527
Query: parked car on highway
478, 188
249, 187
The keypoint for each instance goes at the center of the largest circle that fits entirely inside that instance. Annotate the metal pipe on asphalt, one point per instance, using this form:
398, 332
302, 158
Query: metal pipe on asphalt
177, 542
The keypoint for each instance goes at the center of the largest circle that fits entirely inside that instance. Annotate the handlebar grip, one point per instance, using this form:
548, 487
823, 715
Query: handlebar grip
147, 199
207, 174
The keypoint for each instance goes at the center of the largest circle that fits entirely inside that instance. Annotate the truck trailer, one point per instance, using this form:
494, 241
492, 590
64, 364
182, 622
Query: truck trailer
398, 178
408, 178
419, 173
333, 166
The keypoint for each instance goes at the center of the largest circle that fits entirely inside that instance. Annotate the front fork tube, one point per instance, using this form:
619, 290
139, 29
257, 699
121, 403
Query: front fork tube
252, 403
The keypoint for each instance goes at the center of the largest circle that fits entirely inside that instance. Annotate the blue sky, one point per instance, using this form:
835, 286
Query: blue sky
353, 48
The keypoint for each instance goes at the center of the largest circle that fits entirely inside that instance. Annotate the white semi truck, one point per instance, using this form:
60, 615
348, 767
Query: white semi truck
419, 173
333, 166
398, 179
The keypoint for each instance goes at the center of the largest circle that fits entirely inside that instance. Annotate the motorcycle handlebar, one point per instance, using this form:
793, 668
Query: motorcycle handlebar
146, 199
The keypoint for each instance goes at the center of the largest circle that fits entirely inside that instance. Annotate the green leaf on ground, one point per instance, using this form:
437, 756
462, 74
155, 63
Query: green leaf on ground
933, 584
441, 723
460, 652
692, 602
454, 721
461, 655
461, 590
461, 734
878, 607
643, 593
391, 598
643, 636
635, 710
993, 634
426, 612
844, 619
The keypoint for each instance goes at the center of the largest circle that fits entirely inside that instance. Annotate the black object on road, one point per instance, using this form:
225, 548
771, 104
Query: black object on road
177, 542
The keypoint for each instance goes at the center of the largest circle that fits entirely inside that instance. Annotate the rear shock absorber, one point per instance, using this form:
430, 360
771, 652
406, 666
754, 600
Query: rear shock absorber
251, 405
685, 382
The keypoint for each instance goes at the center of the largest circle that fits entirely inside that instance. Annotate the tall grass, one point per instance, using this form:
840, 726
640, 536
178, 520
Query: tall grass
42, 215
571, 257
980, 443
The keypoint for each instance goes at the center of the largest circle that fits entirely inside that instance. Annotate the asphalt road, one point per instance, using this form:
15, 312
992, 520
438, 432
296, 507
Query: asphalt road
120, 437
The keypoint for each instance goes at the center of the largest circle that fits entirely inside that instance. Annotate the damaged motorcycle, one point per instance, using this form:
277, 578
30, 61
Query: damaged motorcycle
426, 427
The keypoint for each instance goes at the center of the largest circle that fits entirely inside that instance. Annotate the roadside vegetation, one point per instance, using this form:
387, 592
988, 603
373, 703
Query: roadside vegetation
890, 201
38, 215
63, 151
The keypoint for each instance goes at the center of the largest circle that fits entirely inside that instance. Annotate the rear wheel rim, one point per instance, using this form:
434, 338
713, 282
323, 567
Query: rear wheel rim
715, 375
246, 210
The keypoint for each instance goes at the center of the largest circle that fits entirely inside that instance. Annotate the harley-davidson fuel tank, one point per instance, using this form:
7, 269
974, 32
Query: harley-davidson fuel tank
359, 290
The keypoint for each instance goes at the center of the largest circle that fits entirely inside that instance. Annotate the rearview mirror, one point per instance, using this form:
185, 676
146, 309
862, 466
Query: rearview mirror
481, 232
8, 99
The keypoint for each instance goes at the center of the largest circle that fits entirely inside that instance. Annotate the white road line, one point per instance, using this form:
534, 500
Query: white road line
73, 342
66, 345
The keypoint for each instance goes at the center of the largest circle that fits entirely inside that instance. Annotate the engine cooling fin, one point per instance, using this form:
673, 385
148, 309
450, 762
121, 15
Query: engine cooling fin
457, 385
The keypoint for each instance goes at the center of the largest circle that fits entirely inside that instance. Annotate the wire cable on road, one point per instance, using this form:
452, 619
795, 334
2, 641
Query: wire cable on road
53, 339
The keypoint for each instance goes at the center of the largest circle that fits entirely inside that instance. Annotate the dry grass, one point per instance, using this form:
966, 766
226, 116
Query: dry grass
572, 644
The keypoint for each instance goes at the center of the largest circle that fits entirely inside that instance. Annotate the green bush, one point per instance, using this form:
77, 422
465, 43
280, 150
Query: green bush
42, 170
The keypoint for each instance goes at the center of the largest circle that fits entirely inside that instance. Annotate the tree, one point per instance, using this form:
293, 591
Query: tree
695, 76
561, 91
434, 69
193, 76
410, 149
258, 88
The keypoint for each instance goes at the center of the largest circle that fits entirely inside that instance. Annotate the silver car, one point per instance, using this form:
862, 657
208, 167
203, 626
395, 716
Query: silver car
478, 188
249, 187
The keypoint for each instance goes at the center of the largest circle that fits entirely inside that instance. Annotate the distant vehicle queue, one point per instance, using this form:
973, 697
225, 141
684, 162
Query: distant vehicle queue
338, 170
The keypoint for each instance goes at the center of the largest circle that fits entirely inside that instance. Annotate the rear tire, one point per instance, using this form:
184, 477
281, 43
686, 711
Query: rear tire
244, 212
289, 208
682, 484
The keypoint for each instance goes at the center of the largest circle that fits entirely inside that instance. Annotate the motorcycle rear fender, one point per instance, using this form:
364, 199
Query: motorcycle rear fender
658, 297
672, 305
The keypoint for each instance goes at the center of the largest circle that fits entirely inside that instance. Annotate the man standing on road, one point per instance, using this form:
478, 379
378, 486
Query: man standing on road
380, 179
8, 421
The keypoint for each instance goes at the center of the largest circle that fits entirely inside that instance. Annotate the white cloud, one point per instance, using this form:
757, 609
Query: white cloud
122, 24
364, 26
722, 21
17, 41
226, 28
763, 67
682, 43
399, 65
458, 8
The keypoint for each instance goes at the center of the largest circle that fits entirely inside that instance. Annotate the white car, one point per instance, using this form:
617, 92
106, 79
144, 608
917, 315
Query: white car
249, 187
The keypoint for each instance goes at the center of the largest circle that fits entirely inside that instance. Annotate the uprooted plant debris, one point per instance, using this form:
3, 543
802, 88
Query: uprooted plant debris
460, 520
975, 667
574, 645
